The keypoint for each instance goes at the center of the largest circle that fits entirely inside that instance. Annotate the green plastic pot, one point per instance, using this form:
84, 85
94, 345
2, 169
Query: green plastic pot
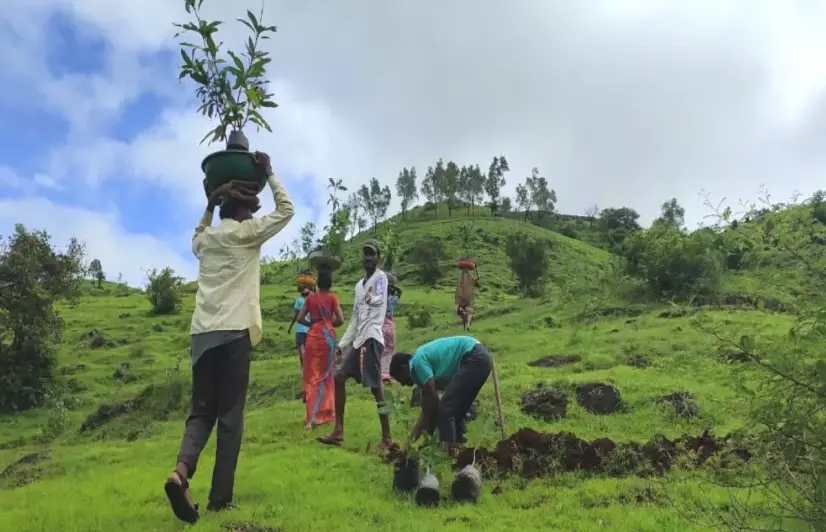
225, 165
320, 259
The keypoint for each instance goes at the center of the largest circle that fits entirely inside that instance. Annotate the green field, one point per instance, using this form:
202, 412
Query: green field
110, 478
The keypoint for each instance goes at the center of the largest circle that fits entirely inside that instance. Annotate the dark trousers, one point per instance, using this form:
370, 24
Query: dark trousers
459, 395
219, 392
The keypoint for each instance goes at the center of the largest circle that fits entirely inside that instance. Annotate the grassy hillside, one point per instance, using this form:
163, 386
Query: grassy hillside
126, 377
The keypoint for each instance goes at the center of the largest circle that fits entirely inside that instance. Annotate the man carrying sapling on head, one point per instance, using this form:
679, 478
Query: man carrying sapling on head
455, 365
225, 326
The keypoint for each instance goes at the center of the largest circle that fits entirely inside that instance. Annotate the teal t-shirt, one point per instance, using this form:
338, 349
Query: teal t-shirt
440, 360
300, 328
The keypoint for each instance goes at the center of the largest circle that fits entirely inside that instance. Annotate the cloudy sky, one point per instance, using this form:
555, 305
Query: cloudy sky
618, 102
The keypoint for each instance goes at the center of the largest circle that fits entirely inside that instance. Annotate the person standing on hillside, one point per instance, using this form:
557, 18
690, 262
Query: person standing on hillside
464, 297
361, 346
225, 326
301, 329
458, 366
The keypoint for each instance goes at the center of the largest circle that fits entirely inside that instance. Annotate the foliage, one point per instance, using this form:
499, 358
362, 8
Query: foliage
308, 237
671, 214
231, 87
542, 196
466, 239
529, 262
616, 225
506, 205
389, 245
495, 182
33, 277
355, 207
376, 200
406, 189
164, 290
428, 255
418, 316
96, 271
674, 264
787, 406
335, 232
471, 185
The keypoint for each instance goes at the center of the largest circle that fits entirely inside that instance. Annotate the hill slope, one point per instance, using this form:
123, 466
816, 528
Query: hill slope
126, 376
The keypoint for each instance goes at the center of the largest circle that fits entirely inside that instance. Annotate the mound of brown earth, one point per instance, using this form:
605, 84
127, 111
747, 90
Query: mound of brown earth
598, 398
547, 404
532, 454
554, 361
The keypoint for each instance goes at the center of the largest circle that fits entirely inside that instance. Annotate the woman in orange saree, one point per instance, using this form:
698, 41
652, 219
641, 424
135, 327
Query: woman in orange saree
319, 351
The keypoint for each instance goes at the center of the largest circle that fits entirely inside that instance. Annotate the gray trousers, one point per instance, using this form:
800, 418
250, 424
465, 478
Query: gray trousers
459, 395
219, 392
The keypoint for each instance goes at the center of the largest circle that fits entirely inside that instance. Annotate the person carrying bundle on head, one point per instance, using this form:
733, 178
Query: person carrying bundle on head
464, 297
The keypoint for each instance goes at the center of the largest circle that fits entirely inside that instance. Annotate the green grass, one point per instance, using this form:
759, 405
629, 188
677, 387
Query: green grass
111, 478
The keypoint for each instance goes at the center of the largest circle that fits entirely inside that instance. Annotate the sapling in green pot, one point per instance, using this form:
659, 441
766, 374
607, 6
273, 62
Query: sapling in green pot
232, 89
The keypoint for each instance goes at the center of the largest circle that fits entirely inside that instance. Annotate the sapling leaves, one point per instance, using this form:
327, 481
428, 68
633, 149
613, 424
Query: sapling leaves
231, 86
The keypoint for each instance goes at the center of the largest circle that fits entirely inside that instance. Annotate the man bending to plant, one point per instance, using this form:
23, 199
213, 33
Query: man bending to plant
361, 346
455, 365
225, 326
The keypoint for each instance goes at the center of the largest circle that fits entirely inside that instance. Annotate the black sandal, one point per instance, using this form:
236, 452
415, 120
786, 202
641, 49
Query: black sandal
181, 507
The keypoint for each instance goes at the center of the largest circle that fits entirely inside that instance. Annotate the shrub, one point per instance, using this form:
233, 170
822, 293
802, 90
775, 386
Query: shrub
418, 316
428, 255
529, 262
674, 264
164, 290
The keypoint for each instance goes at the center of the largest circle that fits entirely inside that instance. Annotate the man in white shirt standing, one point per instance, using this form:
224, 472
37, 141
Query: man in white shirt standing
363, 343
225, 326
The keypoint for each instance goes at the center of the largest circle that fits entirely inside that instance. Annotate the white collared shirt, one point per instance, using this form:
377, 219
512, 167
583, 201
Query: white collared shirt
368, 317
229, 271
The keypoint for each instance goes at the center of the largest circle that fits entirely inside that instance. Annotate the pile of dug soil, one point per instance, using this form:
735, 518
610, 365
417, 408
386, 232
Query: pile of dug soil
684, 404
532, 454
598, 398
555, 361
547, 404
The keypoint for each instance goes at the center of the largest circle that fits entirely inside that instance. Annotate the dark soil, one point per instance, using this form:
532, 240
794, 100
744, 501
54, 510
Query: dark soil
532, 454
684, 404
97, 340
598, 398
24, 471
673, 314
738, 356
122, 373
547, 404
155, 402
248, 527
638, 361
554, 361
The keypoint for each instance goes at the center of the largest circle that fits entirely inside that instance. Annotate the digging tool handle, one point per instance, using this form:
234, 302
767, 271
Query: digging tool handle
498, 394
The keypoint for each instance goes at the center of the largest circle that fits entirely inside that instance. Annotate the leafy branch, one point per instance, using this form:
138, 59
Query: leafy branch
234, 89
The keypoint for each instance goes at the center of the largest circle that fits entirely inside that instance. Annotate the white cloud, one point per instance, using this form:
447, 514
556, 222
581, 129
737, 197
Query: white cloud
619, 103
118, 250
